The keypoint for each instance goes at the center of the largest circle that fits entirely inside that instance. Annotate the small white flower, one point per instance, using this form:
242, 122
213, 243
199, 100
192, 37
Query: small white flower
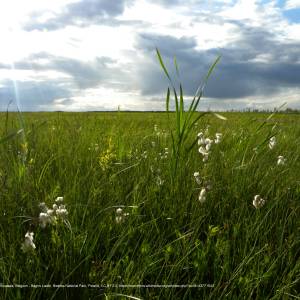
155, 128
202, 195
272, 142
153, 144
258, 202
59, 200
55, 207
28, 244
281, 160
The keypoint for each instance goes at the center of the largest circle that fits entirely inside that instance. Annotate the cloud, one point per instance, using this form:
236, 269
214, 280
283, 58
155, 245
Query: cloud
256, 64
168, 2
29, 95
292, 4
259, 45
76, 79
81, 13
84, 74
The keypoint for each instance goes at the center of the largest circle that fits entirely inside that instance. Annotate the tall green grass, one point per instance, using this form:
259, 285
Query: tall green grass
185, 120
168, 237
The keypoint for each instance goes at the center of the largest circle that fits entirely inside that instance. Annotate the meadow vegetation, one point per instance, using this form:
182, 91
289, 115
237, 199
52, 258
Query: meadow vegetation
132, 213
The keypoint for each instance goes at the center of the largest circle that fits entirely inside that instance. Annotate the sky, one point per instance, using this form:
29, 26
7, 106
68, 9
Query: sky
87, 55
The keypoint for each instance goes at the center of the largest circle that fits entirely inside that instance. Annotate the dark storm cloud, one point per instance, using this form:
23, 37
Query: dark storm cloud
238, 75
100, 71
82, 13
31, 95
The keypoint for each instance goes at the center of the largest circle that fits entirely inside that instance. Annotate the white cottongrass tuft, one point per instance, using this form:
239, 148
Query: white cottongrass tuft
218, 138
258, 201
44, 219
120, 215
197, 177
59, 200
119, 211
28, 244
203, 151
202, 195
272, 142
281, 160
49, 216
206, 144
201, 140
61, 212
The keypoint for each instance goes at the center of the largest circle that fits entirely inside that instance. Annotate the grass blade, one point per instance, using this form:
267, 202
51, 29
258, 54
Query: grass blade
162, 64
176, 66
181, 107
219, 116
168, 100
212, 68
11, 135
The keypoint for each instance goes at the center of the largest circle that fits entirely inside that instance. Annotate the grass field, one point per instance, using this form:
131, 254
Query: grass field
133, 213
